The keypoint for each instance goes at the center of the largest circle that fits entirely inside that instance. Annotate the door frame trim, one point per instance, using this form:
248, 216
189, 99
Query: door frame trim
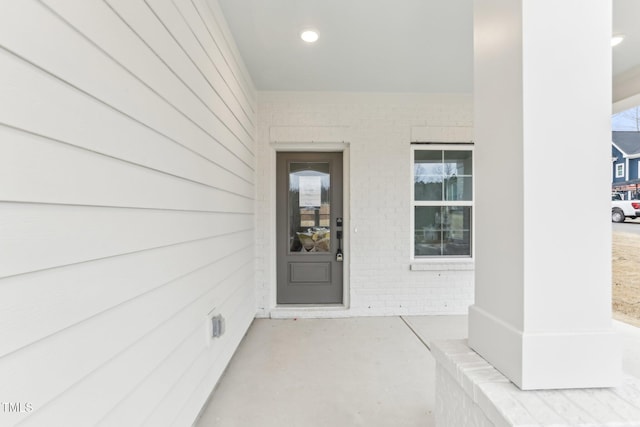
293, 309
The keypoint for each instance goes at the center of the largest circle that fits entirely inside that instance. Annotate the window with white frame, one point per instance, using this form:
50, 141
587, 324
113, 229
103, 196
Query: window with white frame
442, 200
620, 170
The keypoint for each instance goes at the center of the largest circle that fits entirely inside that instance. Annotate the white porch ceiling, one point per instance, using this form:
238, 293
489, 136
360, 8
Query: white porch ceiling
377, 45
626, 20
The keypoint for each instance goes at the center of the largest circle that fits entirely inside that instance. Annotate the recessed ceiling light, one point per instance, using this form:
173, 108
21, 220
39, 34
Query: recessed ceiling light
617, 39
309, 36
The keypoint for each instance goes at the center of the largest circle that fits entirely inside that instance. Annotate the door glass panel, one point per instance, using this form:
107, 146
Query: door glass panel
309, 207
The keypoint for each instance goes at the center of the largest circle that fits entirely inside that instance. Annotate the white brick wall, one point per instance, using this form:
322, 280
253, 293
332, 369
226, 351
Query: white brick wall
453, 406
379, 129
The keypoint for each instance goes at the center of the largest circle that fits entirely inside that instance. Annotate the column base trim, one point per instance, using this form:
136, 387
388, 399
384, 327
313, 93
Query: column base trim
547, 360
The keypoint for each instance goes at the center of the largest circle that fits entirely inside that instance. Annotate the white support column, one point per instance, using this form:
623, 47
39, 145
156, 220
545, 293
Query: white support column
542, 314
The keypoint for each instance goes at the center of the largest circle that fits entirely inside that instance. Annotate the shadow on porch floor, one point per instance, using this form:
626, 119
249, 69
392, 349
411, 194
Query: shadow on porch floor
374, 371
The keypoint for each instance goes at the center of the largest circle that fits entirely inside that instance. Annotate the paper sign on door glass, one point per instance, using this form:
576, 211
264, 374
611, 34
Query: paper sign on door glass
310, 191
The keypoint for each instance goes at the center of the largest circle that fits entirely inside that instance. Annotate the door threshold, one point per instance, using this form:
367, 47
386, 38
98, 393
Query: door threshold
309, 311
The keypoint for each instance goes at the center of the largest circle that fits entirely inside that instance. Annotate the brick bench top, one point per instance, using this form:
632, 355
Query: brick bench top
505, 404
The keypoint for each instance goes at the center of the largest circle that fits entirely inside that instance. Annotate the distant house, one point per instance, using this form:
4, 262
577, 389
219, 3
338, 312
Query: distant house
625, 156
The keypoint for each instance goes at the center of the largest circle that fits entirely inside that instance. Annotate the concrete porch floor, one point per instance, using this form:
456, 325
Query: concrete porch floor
375, 371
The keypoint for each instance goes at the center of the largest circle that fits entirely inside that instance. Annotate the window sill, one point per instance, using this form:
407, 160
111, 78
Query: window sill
441, 265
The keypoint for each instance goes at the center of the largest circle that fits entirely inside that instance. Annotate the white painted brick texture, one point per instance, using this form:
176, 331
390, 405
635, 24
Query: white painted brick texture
379, 129
471, 392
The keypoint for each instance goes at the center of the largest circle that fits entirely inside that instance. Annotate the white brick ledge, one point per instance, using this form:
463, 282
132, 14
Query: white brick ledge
471, 392
442, 134
441, 266
309, 134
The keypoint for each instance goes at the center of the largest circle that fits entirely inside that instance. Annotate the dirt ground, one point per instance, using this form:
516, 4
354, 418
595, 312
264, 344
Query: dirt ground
626, 277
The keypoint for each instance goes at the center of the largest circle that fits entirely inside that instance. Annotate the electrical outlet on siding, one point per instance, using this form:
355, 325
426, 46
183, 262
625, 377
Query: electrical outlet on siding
215, 326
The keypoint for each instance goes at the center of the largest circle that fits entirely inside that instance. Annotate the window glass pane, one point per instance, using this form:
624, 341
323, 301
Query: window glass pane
458, 183
442, 230
458, 162
428, 175
458, 188
428, 231
309, 208
456, 230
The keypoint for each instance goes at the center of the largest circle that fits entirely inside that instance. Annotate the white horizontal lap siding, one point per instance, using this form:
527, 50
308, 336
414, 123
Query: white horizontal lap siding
146, 90
63, 235
182, 393
101, 285
53, 172
162, 379
120, 135
137, 345
182, 20
127, 174
222, 39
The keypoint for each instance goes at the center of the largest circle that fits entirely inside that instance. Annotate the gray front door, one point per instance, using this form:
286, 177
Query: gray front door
309, 228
